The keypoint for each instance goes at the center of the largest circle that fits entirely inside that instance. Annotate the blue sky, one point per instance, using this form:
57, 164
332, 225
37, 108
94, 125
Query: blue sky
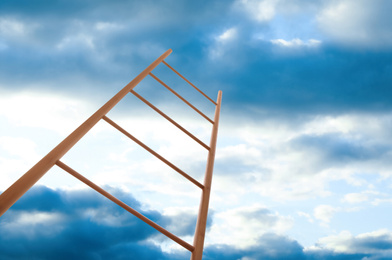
303, 164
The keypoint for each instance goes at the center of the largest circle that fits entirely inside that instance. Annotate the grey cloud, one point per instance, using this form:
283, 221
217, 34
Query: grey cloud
49, 224
371, 243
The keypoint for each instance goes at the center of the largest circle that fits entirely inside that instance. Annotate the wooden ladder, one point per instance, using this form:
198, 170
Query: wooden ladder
24, 183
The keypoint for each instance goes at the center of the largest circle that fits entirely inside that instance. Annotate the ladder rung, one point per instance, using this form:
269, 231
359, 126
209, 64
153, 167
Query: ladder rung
189, 82
180, 97
170, 120
123, 205
152, 152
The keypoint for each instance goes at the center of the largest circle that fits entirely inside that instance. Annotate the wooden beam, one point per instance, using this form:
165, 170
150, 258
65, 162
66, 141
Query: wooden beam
201, 224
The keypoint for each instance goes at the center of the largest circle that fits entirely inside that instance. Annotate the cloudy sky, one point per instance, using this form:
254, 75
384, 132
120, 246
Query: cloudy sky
304, 157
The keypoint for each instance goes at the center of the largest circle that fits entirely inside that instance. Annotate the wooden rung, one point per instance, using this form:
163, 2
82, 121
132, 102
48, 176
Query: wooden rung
170, 120
123, 205
189, 82
153, 152
180, 97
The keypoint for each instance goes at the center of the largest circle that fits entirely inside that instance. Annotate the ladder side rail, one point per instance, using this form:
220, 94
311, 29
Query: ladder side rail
123, 205
119, 128
24, 183
170, 120
164, 62
180, 97
201, 224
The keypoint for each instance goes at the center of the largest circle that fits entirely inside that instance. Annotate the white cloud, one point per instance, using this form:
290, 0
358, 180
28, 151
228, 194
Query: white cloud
38, 109
357, 22
335, 242
355, 198
35, 218
17, 154
13, 146
296, 43
325, 213
25, 223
